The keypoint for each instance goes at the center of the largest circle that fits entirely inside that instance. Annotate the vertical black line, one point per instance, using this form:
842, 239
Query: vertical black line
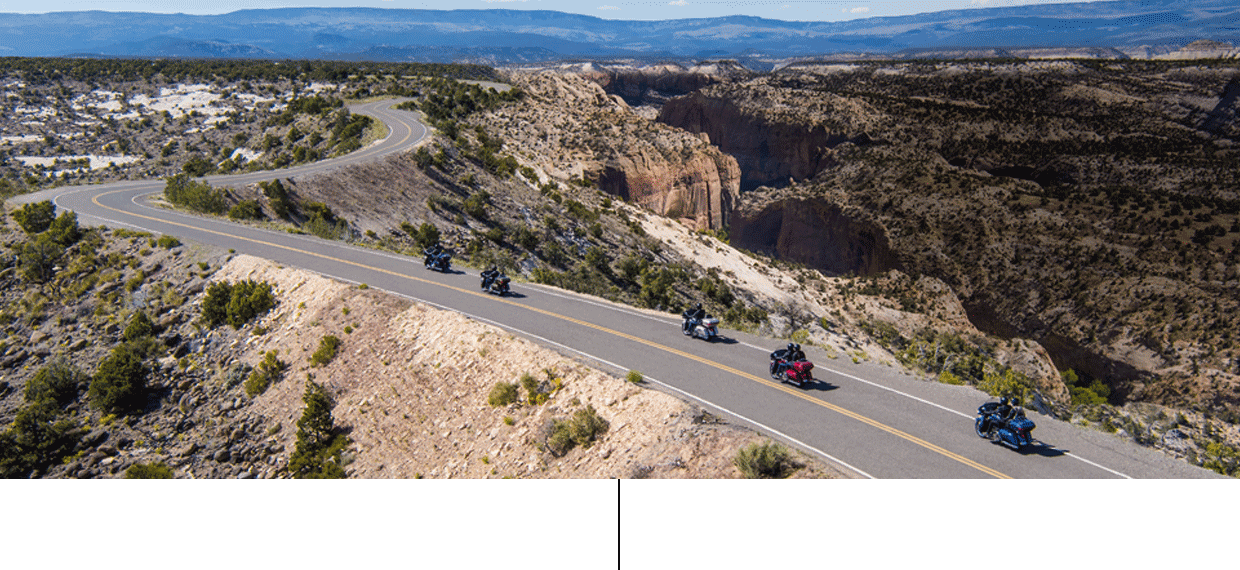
619, 527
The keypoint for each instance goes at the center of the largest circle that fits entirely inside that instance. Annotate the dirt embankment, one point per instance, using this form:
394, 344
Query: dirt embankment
411, 386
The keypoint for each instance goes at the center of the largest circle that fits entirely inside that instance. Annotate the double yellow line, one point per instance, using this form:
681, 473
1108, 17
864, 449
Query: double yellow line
779, 386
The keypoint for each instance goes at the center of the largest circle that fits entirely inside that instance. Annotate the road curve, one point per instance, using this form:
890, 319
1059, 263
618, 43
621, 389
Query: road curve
869, 420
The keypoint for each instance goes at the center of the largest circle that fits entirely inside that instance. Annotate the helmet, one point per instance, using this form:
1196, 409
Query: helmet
796, 346
1003, 401
697, 306
792, 347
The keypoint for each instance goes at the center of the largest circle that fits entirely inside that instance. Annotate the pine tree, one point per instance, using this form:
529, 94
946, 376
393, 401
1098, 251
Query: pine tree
318, 453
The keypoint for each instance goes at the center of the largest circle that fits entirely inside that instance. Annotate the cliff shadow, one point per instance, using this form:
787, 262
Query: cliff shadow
815, 233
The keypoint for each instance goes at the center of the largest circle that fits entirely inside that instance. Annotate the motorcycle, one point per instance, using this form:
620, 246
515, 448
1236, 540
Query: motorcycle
437, 259
706, 329
1014, 432
796, 372
498, 285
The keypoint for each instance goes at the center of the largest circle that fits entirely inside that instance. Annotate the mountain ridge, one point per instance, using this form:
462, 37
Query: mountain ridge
291, 33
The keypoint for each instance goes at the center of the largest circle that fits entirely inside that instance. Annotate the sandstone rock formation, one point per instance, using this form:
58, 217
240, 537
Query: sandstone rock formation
770, 141
569, 127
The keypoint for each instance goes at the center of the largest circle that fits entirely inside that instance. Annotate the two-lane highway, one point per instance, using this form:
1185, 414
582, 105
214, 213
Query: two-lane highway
870, 420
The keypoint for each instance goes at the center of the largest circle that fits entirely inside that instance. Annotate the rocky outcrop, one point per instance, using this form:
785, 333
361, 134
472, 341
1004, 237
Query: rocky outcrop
574, 129
816, 233
702, 187
770, 147
656, 84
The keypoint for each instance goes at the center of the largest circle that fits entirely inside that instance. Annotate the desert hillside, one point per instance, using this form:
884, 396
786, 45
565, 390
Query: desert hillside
411, 385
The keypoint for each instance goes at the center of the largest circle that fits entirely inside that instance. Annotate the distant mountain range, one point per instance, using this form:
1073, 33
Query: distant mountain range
1138, 28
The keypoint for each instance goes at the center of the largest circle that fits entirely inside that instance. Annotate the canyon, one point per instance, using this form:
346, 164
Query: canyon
1086, 205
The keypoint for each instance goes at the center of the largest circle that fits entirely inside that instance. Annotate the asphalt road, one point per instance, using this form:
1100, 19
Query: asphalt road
868, 419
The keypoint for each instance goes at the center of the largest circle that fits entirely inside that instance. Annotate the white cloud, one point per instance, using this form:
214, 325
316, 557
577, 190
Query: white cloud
608, 8
489, 1
859, 10
678, 3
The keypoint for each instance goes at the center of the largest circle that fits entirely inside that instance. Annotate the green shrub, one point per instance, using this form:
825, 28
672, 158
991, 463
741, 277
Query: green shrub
1085, 392
266, 374
656, 288
167, 242
333, 229
140, 326
37, 438
37, 258
581, 430
328, 346
119, 383
525, 238
59, 382
586, 426
246, 210
534, 394
148, 471
580, 211
424, 235
319, 447
236, 304
561, 439
763, 461
634, 377
64, 229
502, 394
946, 377
1006, 383
476, 204
249, 299
278, 197
215, 304
194, 195
35, 218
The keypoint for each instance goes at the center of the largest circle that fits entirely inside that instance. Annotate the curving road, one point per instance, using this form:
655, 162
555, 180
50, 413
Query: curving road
869, 420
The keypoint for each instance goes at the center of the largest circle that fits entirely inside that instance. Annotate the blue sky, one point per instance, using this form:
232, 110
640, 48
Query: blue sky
818, 10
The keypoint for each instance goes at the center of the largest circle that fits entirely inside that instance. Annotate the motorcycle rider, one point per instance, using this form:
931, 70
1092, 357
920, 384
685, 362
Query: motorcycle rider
489, 276
786, 356
694, 317
1000, 414
431, 253
795, 354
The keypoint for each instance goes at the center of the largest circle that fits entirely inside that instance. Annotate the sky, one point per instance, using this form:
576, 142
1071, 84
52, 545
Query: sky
802, 10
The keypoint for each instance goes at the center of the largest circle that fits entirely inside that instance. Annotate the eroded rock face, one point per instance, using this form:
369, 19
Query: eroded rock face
575, 129
656, 84
770, 147
702, 186
816, 233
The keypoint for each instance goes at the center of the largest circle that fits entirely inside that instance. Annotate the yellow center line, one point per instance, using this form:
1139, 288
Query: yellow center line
779, 386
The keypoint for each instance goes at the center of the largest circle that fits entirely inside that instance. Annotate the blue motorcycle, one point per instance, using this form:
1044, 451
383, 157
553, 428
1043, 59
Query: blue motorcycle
1014, 431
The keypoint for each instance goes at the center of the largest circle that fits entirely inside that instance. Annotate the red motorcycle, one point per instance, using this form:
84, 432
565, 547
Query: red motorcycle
789, 365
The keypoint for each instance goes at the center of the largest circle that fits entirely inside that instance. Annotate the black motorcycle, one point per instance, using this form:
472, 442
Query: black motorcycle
437, 258
496, 284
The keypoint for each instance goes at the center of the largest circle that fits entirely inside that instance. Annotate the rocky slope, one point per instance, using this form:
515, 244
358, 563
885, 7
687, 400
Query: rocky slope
1088, 205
